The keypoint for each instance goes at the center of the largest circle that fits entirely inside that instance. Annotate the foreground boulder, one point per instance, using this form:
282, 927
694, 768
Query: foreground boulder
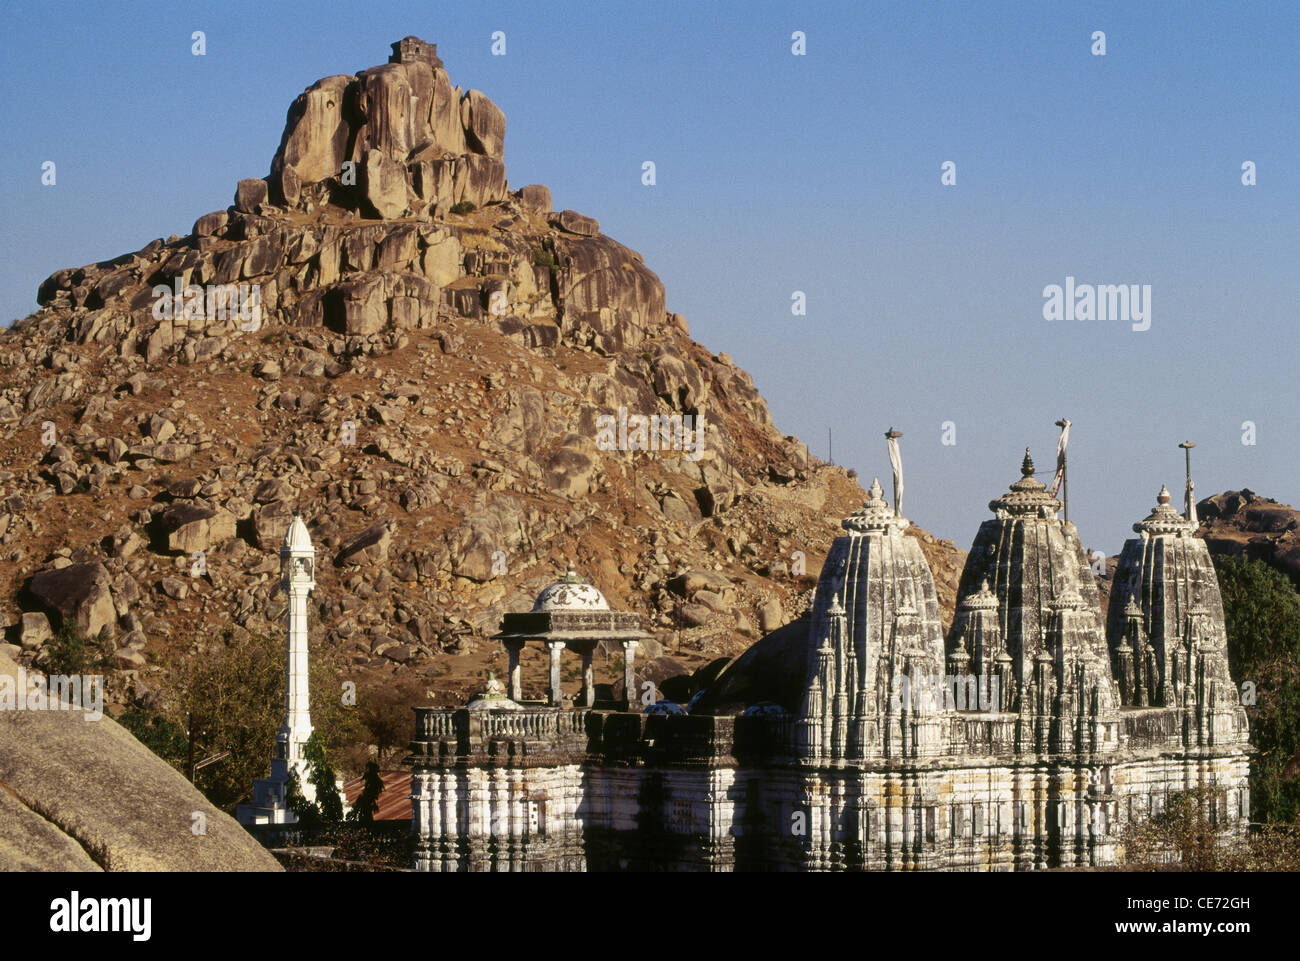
84, 795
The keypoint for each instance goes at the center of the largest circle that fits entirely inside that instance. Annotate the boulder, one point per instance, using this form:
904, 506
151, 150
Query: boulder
536, 197
365, 309
442, 261
315, 140
484, 123
480, 180
210, 224
606, 288
81, 595
695, 615
270, 522
387, 102
384, 182
576, 223
192, 528
368, 547
568, 472
773, 669
770, 616
690, 583
249, 193
34, 631
81, 794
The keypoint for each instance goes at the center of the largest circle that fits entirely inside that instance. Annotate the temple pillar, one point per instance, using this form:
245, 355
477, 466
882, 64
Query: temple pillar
588, 697
556, 648
629, 676
513, 649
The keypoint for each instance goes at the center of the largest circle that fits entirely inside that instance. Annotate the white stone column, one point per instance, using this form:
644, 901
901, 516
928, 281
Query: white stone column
588, 680
629, 675
298, 564
513, 649
556, 648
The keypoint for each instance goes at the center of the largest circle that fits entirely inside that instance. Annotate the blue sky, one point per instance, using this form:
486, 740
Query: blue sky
778, 173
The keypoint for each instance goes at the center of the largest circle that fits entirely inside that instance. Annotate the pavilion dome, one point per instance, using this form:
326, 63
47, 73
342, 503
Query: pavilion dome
571, 593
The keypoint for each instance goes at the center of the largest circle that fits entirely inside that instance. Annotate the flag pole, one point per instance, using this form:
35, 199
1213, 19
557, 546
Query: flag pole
1065, 475
896, 461
1189, 502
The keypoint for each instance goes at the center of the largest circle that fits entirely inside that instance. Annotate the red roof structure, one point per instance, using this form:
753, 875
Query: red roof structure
394, 800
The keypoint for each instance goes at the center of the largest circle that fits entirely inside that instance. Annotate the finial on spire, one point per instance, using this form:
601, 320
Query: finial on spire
1027, 465
877, 492
1163, 497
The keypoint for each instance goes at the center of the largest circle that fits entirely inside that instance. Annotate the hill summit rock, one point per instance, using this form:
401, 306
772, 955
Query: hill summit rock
384, 337
1245, 524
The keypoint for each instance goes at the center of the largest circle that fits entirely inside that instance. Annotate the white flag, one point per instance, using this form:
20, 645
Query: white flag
1060, 458
896, 462
1189, 501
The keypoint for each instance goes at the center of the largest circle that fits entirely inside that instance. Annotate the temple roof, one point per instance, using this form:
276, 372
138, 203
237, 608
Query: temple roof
982, 600
570, 593
874, 515
1164, 518
1028, 496
296, 538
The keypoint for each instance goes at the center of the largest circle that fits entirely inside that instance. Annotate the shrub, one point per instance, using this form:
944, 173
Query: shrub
463, 207
68, 652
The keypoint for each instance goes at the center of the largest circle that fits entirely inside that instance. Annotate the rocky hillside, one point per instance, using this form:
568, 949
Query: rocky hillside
1243, 524
421, 378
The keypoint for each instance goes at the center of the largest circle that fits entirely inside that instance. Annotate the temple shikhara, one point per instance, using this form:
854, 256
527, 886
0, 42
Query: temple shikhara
1028, 737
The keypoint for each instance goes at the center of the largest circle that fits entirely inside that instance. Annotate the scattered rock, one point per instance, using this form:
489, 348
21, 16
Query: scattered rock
80, 594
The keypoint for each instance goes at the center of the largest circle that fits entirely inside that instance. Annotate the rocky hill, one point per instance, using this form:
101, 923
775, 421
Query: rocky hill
1244, 524
384, 337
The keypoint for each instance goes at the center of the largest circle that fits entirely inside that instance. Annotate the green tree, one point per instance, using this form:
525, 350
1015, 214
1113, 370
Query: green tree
230, 697
1262, 611
367, 803
308, 814
1185, 837
323, 778
159, 734
384, 714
